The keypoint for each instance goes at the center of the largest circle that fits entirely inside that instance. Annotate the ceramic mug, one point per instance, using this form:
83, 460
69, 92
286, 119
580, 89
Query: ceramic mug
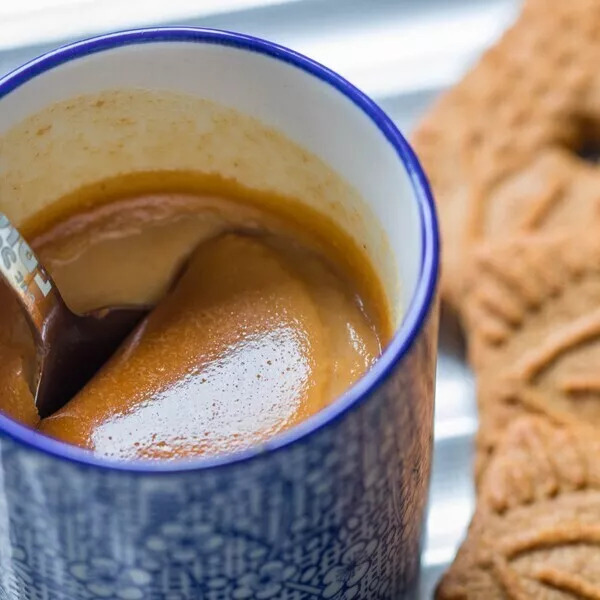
332, 508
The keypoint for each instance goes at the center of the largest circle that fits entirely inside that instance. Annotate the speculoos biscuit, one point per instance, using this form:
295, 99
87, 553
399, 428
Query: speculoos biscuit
502, 148
536, 531
532, 317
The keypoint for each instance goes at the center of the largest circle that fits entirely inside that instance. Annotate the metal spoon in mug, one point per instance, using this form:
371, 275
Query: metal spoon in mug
70, 348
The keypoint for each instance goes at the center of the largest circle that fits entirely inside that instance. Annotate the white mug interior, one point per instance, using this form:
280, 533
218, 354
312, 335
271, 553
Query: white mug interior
219, 109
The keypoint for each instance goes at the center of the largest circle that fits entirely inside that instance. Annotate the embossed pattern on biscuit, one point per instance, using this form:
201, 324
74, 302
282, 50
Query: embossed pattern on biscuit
533, 322
524, 297
501, 147
536, 532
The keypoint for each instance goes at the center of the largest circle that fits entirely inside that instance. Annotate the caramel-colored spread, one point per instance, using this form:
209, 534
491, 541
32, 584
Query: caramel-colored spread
265, 313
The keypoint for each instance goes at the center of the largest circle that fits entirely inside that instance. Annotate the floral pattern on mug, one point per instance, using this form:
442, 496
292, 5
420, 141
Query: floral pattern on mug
106, 578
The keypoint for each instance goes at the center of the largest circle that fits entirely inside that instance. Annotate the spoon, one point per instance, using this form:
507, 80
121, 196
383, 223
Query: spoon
70, 348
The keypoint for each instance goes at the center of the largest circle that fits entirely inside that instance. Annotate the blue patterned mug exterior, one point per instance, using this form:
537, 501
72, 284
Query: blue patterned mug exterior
331, 509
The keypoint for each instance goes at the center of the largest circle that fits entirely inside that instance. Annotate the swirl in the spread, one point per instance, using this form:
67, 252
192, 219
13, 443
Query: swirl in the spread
261, 329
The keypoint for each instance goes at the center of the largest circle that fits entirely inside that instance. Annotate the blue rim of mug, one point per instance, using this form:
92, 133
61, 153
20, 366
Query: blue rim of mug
414, 317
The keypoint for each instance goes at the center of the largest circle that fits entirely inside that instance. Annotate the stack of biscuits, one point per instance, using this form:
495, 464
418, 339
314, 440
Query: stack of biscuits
512, 155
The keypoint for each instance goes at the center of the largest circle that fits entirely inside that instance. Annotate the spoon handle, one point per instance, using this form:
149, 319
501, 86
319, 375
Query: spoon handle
31, 284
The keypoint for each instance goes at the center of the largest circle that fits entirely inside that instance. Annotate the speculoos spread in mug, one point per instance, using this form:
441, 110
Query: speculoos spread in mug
265, 312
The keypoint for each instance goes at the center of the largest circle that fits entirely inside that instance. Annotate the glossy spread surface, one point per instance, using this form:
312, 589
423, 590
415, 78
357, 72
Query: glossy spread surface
271, 316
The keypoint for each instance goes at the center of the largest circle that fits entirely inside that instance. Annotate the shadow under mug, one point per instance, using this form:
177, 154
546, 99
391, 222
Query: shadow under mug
332, 508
